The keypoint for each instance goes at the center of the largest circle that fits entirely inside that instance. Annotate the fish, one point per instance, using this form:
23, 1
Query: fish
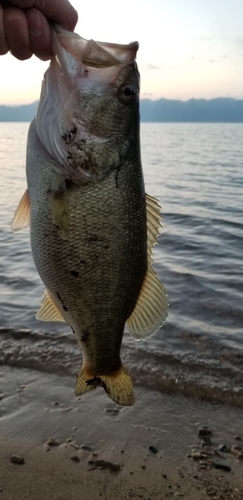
92, 226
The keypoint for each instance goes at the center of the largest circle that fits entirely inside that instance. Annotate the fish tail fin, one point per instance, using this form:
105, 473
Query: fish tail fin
118, 385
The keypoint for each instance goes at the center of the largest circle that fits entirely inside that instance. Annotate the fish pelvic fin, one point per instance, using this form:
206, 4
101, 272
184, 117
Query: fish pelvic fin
118, 385
151, 309
21, 218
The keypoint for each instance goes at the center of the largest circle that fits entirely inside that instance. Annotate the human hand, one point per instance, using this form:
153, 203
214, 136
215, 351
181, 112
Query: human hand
25, 28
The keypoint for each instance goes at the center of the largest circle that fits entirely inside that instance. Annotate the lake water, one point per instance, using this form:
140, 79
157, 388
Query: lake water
196, 172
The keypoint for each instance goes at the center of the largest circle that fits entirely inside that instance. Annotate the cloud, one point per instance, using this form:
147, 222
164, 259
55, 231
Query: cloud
147, 94
239, 41
152, 66
218, 58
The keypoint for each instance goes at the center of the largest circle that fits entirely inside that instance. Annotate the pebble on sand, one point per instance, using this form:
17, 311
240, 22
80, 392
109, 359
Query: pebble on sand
236, 450
86, 447
153, 448
197, 455
52, 442
225, 467
206, 441
204, 431
16, 459
224, 448
112, 411
105, 464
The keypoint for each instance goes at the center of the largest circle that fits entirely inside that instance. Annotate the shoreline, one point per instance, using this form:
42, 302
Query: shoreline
145, 451
211, 379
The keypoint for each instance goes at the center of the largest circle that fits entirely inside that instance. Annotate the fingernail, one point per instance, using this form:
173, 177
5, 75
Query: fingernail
36, 24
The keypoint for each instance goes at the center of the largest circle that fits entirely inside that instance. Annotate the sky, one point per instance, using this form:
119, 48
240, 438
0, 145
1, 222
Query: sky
188, 48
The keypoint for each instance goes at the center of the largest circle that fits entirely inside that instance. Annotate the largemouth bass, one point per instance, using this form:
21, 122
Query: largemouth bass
92, 227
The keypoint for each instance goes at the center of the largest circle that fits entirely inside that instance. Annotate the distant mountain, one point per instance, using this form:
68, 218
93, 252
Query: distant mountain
163, 110
195, 110
23, 113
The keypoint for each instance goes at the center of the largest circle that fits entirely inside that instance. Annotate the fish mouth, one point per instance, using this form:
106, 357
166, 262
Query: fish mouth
89, 55
82, 65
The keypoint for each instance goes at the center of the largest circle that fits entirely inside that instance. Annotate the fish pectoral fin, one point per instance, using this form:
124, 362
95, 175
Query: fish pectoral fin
118, 385
21, 218
60, 211
48, 310
151, 309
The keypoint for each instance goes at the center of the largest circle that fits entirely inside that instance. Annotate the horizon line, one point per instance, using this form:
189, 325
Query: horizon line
149, 98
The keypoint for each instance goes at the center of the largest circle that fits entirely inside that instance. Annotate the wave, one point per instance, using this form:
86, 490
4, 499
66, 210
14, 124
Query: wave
217, 381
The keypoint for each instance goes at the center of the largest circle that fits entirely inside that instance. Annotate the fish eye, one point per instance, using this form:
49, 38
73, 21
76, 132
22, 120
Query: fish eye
127, 93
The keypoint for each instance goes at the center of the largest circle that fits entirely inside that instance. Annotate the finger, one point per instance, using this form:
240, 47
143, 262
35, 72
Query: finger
39, 34
16, 30
62, 12
3, 41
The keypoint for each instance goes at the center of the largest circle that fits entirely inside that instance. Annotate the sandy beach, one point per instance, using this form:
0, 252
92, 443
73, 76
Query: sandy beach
90, 448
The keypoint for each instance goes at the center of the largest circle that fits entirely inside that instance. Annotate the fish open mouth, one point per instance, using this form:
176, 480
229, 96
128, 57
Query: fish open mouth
90, 53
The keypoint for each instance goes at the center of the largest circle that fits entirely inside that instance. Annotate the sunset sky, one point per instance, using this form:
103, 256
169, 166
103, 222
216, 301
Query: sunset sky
188, 48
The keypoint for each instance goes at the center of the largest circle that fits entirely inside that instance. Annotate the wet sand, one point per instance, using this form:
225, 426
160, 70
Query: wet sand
89, 448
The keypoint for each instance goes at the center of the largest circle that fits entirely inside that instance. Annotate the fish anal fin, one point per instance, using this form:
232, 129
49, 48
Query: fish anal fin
48, 310
118, 385
21, 218
151, 309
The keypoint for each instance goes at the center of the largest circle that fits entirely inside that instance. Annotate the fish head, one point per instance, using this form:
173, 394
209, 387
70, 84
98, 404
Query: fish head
88, 115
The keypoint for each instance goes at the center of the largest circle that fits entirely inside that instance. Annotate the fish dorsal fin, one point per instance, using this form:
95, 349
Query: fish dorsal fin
153, 223
60, 211
48, 310
151, 309
21, 218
